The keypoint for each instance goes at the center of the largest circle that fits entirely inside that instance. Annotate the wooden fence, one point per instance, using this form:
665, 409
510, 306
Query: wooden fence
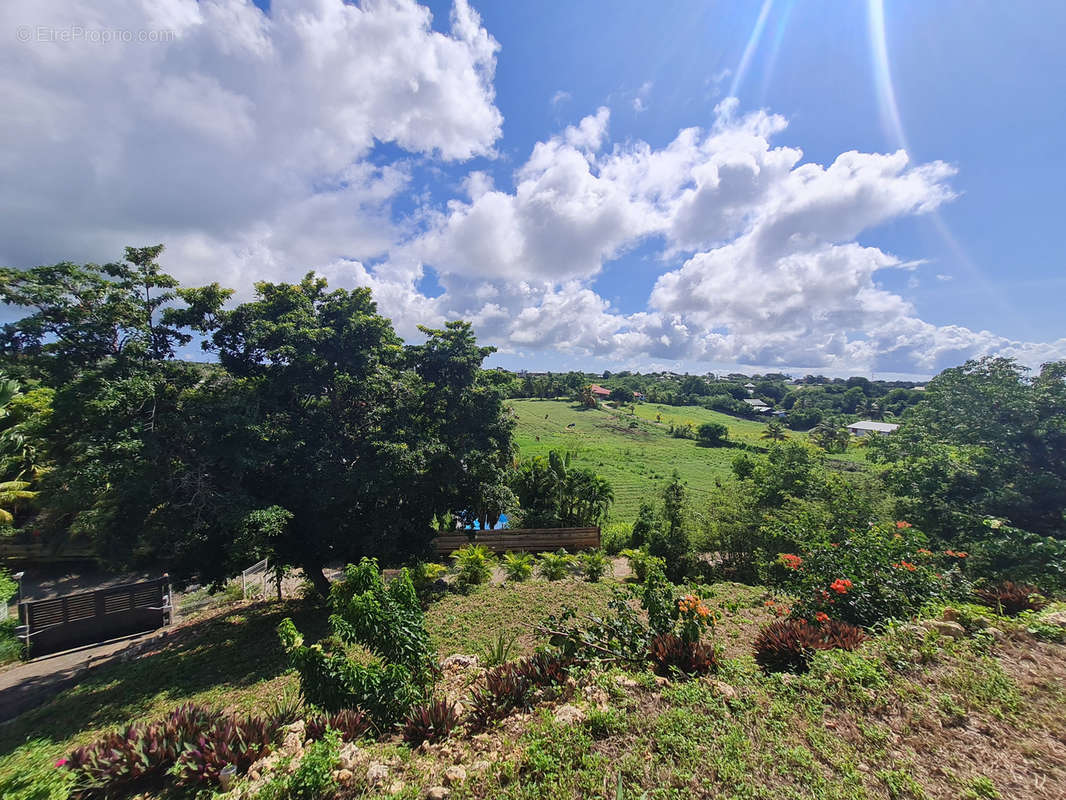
44, 554
60, 623
530, 540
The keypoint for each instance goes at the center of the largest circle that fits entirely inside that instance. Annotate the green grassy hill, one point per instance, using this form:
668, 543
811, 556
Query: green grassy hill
636, 453
638, 460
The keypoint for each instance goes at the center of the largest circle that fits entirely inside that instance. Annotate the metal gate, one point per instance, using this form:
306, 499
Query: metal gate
60, 623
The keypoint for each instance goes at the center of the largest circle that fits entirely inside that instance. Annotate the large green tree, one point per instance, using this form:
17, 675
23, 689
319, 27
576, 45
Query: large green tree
317, 436
986, 440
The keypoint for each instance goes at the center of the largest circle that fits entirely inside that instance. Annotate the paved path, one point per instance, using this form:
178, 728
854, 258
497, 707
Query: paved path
26, 686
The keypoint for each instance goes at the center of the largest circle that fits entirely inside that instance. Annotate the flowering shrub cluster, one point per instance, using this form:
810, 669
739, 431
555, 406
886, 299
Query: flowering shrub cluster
882, 572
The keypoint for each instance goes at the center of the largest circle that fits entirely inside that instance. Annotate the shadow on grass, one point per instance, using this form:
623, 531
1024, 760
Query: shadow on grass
218, 661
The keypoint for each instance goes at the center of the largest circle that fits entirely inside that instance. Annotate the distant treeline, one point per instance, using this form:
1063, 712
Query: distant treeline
807, 401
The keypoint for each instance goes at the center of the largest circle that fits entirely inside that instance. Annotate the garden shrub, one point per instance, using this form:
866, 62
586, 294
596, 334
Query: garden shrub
518, 566
473, 565
999, 551
555, 566
616, 537
640, 562
11, 647
385, 619
789, 644
647, 520
333, 681
424, 577
594, 565
874, 574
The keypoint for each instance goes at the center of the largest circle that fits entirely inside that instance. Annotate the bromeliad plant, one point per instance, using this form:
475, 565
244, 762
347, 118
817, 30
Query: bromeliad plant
1011, 598
229, 741
432, 722
192, 743
349, 723
788, 645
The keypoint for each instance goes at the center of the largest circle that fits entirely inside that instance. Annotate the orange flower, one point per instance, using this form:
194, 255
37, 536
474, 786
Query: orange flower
924, 551
822, 617
791, 561
903, 525
769, 604
840, 585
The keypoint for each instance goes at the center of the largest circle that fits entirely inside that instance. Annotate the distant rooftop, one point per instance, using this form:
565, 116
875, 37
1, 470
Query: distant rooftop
870, 425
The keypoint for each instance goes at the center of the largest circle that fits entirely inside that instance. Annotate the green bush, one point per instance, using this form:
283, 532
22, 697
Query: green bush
333, 681
875, 574
640, 561
11, 647
518, 566
385, 619
473, 565
594, 565
555, 566
616, 537
424, 577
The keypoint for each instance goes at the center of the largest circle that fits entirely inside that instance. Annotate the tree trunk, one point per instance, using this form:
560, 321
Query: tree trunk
313, 573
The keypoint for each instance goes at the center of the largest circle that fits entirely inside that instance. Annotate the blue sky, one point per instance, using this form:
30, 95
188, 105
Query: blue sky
510, 163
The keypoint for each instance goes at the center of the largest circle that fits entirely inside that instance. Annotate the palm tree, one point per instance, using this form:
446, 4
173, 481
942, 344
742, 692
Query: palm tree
11, 494
588, 399
775, 432
830, 438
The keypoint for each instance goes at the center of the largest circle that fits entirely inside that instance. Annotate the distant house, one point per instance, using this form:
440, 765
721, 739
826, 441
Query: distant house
638, 396
758, 406
867, 427
599, 391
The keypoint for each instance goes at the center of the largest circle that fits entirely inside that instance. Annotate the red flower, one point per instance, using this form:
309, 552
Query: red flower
924, 551
791, 561
840, 585
769, 604
61, 762
822, 617
903, 525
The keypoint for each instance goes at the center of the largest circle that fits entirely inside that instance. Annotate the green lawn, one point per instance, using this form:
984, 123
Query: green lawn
638, 461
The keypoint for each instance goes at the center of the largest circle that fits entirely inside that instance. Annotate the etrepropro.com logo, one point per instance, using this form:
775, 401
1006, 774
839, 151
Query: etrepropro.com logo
53, 34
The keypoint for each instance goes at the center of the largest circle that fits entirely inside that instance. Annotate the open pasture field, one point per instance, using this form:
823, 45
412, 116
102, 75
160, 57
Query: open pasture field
638, 461
636, 453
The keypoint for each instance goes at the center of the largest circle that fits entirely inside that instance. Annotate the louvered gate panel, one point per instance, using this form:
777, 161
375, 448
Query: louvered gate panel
61, 623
